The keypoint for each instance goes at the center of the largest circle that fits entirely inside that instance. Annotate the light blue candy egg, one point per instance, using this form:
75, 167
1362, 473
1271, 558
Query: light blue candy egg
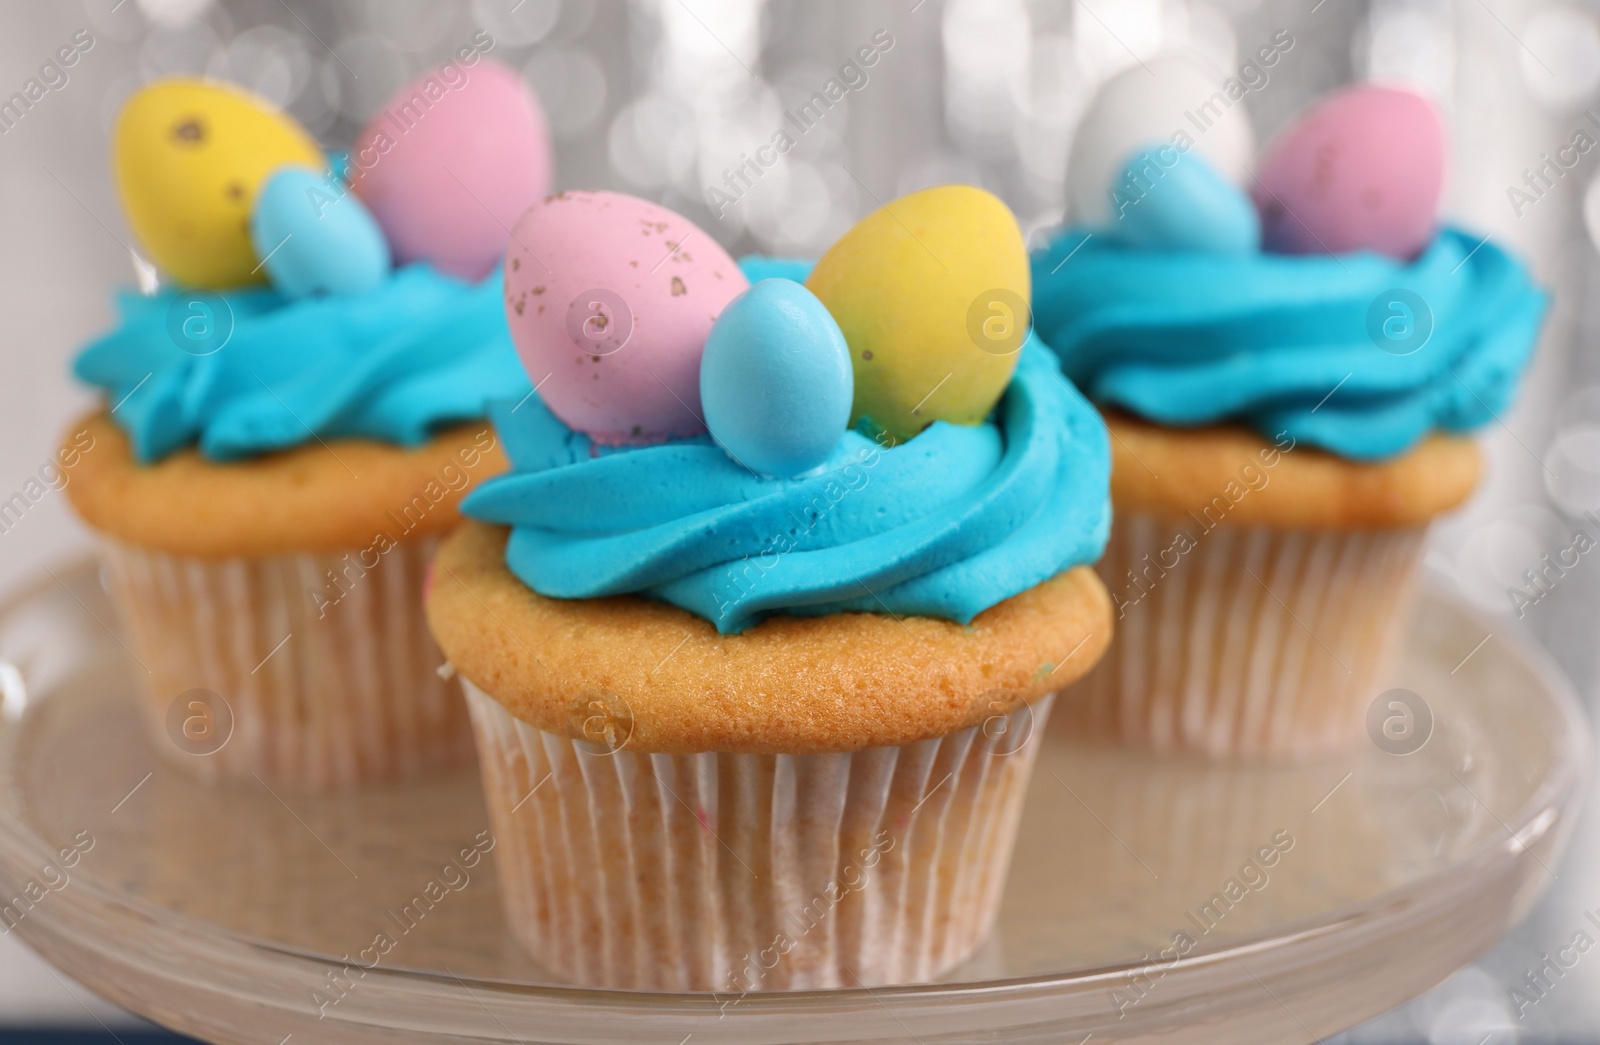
1169, 200
315, 236
775, 379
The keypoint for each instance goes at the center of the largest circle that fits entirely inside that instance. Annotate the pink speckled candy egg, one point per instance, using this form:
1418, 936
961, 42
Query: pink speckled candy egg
609, 299
451, 161
1363, 168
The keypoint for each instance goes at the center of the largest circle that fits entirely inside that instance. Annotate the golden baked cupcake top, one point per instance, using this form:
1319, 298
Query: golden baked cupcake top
1227, 473
638, 672
332, 496
845, 506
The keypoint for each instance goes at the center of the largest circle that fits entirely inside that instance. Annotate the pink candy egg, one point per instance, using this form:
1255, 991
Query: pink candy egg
1362, 169
451, 162
609, 299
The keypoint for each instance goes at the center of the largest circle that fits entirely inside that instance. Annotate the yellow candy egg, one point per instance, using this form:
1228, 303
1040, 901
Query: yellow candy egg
931, 292
188, 156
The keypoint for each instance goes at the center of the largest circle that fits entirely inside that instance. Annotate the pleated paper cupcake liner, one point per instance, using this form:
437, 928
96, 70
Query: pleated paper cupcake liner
326, 672
1252, 641
737, 872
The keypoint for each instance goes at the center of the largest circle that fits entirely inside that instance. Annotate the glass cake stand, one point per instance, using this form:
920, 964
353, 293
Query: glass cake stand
228, 914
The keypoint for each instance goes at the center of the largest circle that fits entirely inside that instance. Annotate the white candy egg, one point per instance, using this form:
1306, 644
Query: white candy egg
1172, 98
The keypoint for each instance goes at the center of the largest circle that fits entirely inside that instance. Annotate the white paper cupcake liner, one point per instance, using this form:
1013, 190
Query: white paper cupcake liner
324, 689
735, 872
1255, 640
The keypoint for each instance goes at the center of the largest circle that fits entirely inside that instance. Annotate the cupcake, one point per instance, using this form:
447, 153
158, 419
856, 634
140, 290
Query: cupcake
758, 627
1289, 381
291, 421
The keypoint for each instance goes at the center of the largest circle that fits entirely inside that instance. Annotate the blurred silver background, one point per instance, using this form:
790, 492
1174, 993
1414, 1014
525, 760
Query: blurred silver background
660, 97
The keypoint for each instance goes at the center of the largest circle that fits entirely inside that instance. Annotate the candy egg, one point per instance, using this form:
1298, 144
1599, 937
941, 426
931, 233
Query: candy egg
451, 163
1169, 101
1168, 200
1363, 168
609, 299
931, 292
775, 380
189, 156
314, 236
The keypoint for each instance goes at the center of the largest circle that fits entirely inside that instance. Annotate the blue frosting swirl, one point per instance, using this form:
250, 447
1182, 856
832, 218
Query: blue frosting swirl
757, 267
944, 525
1294, 344
419, 351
